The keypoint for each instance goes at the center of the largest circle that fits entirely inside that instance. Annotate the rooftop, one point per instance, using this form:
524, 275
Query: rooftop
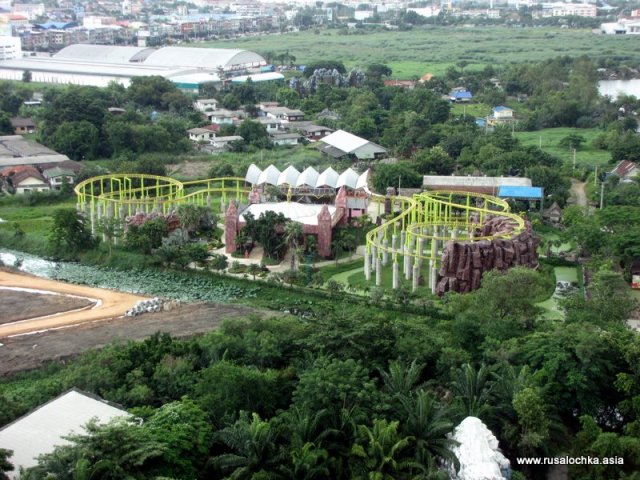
43, 429
304, 213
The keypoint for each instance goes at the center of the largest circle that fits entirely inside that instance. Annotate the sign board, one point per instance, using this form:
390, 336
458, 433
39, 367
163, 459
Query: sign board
635, 281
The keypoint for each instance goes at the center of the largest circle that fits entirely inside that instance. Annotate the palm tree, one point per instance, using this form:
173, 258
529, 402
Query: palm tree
472, 389
292, 233
254, 269
428, 424
253, 447
380, 452
401, 378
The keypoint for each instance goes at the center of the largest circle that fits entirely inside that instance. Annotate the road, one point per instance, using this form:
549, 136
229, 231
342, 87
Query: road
109, 304
578, 193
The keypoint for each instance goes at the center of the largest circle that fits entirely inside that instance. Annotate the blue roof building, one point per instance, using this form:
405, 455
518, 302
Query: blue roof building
460, 96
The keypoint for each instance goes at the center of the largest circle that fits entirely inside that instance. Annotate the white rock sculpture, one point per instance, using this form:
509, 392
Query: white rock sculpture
478, 453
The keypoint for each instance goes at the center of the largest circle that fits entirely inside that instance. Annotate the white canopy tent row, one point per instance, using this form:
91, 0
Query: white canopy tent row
309, 178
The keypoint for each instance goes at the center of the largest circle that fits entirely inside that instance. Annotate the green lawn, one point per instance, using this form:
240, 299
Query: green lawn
470, 109
34, 220
434, 49
549, 140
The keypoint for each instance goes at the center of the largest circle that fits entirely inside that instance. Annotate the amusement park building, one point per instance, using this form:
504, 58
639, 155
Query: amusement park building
98, 65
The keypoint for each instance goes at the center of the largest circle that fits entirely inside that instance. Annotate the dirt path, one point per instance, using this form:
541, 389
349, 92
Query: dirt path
578, 193
109, 304
26, 352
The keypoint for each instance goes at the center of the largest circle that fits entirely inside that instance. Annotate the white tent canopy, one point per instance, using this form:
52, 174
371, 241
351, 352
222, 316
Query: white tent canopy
308, 178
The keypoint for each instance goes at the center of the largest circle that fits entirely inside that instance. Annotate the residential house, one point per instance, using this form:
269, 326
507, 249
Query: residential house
460, 94
206, 104
311, 131
271, 124
223, 142
23, 125
222, 116
59, 176
501, 115
281, 139
626, 170
283, 114
344, 144
26, 179
200, 135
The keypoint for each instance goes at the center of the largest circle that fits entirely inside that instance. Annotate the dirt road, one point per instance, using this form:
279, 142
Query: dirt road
26, 352
109, 304
578, 193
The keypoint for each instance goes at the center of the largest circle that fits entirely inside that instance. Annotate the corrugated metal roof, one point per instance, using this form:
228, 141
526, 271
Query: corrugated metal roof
202, 57
345, 141
42, 430
512, 191
103, 53
304, 213
258, 77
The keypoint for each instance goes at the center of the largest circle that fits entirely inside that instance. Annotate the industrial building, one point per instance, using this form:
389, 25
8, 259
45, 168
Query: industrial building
98, 65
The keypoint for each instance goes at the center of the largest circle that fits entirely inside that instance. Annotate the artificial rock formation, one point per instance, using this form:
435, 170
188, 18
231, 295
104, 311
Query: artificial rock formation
478, 453
464, 263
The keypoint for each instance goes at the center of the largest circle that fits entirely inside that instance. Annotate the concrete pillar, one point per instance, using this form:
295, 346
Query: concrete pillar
367, 265
378, 271
394, 242
416, 277
209, 201
385, 253
433, 272
223, 206
374, 255
407, 262
121, 212
396, 274
420, 251
403, 238
92, 219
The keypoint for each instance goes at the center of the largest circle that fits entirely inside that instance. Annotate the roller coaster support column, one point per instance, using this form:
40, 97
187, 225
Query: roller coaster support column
416, 275
385, 253
378, 271
367, 264
433, 269
374, 255
395, 283
407, 262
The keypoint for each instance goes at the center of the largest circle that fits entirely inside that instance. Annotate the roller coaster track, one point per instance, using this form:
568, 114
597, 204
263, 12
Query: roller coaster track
415, 228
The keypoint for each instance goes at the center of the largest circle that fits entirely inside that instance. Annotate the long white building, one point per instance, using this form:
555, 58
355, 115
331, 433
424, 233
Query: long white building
98, 65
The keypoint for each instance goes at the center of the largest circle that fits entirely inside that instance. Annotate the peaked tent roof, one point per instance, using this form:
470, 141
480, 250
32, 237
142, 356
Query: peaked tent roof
288, 176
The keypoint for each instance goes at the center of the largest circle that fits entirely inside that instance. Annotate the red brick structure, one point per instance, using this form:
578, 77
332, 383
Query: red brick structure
230, 228
324, 232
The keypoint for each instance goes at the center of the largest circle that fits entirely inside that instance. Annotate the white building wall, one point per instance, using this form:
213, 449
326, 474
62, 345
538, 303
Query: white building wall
10, 48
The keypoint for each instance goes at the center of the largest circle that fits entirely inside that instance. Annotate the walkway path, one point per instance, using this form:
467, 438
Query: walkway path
578, 193
109, 304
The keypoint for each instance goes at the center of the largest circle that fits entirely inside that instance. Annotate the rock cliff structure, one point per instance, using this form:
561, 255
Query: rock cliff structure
465, 262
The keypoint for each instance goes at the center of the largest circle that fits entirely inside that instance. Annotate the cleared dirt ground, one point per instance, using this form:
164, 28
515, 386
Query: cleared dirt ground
26, 352
17, 305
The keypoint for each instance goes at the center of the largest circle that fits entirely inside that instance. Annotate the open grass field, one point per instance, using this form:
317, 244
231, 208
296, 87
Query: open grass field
35, 219
434, 49
549, 140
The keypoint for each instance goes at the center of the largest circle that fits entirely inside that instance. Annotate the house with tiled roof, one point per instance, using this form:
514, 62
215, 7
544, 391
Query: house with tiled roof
626, 170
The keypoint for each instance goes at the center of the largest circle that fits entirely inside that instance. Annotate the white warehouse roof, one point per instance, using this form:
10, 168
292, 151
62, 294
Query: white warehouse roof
40, 431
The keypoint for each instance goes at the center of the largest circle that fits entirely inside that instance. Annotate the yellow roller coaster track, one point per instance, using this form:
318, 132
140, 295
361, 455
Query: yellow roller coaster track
415, 228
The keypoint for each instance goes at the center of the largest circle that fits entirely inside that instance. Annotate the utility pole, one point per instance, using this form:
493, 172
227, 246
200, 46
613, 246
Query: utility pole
574, 159
601, 195
595, 177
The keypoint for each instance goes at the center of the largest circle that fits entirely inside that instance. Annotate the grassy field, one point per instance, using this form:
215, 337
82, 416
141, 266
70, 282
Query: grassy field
549, 140
434, 49
36, 220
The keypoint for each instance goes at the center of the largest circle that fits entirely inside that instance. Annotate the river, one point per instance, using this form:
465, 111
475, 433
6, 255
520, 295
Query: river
613, 88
